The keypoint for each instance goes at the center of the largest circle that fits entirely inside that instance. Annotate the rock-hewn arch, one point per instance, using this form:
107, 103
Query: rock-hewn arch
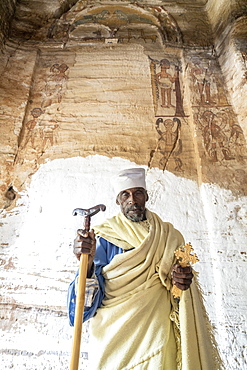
123, 22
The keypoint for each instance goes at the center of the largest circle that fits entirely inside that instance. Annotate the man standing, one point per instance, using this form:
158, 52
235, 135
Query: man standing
135, 321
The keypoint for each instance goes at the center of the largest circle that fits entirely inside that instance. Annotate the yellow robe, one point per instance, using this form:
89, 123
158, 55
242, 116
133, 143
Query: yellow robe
138, 325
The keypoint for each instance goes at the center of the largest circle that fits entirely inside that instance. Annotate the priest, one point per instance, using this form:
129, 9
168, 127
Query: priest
135, 322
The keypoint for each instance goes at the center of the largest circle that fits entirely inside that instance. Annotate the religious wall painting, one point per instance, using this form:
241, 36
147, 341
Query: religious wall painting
141, 34
48, 134
138, 23
202, 83
31, 129
223, 139
55, 84
39, 133
169, 145
207, 86
138, 34
166, 86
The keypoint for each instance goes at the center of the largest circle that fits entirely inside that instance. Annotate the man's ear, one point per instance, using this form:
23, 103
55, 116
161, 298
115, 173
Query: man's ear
147, 197
117, 201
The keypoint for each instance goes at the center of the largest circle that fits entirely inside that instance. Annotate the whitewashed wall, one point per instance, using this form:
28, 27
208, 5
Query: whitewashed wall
37, 262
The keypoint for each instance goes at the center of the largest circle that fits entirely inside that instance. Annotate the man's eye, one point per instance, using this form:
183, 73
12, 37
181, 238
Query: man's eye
139, 192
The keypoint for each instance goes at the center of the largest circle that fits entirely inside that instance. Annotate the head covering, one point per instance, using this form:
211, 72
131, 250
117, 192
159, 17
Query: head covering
129, 178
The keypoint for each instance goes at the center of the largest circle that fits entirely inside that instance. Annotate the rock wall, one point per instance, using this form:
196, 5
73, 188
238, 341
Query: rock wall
7, 9
229, 21
99, 89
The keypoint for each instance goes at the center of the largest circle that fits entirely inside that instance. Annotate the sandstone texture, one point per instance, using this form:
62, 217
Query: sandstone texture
89, 88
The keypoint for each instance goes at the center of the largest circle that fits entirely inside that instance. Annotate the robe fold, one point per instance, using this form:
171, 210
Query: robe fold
139, 325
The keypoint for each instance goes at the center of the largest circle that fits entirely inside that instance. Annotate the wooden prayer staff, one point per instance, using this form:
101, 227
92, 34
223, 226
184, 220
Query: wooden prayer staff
80, 298
185, 258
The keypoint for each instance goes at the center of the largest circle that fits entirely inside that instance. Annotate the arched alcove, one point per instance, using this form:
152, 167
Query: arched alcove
87, 89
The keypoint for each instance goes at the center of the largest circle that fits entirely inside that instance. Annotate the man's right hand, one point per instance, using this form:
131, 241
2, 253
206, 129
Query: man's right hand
85, 243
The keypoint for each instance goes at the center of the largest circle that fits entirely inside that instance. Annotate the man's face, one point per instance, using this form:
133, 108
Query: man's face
132, 203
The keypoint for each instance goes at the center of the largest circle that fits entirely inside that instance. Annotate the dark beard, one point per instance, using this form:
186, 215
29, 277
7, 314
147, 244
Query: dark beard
135, 217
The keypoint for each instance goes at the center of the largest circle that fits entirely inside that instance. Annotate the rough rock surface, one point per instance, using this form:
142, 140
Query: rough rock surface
87, 88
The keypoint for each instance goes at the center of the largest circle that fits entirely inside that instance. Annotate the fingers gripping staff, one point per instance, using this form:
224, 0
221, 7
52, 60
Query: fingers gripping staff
87, 213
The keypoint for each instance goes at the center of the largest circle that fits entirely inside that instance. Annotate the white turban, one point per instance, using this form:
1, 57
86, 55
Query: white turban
129, 178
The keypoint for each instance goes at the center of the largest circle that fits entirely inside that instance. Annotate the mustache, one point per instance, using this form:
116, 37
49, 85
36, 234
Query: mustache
135, 207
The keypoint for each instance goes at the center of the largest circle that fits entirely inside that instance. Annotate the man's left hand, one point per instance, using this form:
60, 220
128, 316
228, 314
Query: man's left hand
182, 276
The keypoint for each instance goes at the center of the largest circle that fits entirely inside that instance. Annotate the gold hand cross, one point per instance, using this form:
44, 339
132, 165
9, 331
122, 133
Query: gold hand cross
185, 258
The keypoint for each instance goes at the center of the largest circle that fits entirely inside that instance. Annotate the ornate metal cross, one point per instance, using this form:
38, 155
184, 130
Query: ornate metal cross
185, 258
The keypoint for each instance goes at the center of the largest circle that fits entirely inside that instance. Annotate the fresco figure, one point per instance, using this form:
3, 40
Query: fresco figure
215, 140
237, 139
47, 134
55, 85
237, 134
169, 143
30, 132
165, 81
202, 83
168, 91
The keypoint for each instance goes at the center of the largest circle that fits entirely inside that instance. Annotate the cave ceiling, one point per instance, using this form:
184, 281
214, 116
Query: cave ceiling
186, 19
183, 21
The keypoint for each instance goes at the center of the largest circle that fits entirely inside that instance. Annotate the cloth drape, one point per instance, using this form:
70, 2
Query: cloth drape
139, 325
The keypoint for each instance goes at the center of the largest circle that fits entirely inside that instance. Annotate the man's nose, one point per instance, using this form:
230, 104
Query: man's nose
132, 199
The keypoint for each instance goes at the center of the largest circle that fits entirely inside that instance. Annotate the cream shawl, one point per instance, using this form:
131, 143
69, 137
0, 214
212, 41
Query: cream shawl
139, 325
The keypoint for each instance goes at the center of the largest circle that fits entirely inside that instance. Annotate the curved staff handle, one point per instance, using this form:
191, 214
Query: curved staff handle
80, 299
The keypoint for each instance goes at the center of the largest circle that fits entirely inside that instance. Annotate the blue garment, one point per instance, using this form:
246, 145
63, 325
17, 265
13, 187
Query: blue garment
105, 251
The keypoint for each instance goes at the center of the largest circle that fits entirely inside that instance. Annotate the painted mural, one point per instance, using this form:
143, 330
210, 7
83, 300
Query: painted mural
38, 134
166, 84
31, 129
222, 137
40, 130
132, 23
169, 145
55, 85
